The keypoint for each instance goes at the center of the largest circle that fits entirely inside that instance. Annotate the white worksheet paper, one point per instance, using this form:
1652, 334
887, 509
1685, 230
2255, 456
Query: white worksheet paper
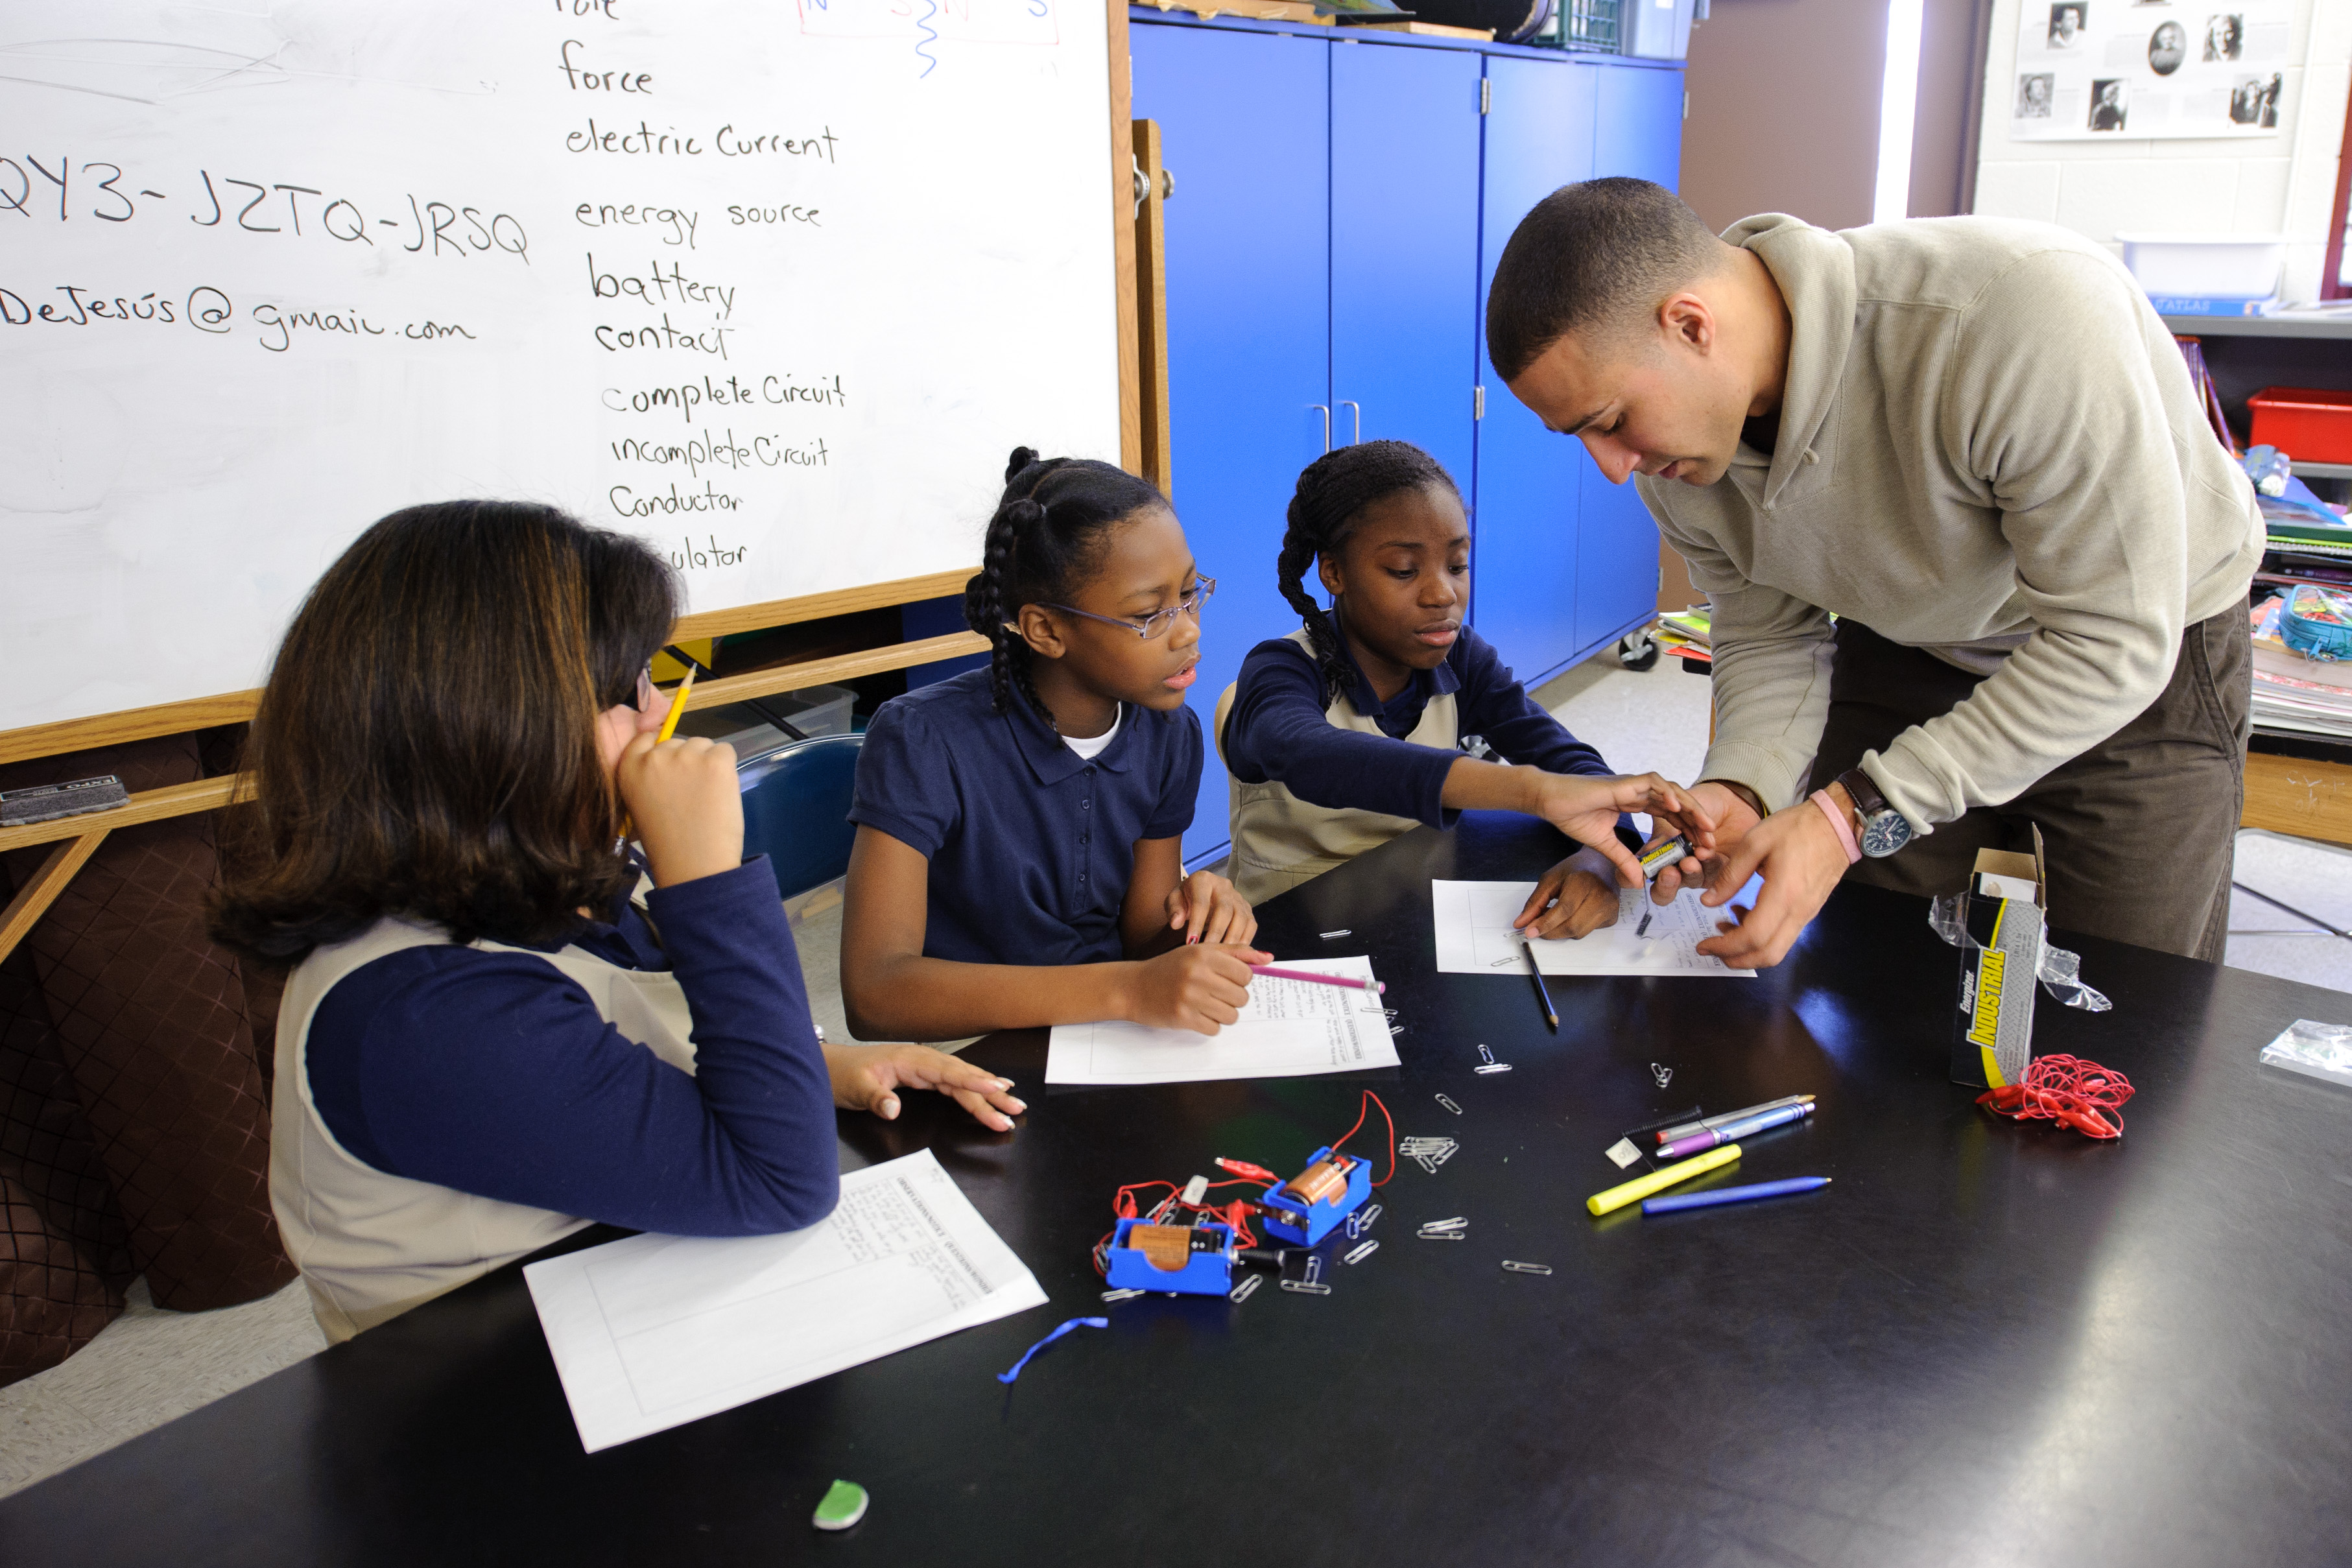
656, 1331
1289, 1028
1474, 935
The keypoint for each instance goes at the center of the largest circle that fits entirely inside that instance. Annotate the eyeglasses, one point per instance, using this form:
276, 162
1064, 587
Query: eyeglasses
1157, 623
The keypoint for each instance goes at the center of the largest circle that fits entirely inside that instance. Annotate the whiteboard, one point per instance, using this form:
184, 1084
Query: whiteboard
774, 286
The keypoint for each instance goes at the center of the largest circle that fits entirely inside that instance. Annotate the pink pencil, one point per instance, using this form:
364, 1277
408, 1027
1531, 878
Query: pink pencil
1273, 972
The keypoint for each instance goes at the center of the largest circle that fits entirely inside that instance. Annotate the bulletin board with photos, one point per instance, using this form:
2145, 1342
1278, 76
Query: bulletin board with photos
2150, 68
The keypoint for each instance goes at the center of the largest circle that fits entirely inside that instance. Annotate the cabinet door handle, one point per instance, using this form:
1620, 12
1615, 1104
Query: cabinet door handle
1357, 438
1324, 409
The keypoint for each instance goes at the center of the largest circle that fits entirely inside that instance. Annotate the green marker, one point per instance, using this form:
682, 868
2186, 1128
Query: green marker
844, 1504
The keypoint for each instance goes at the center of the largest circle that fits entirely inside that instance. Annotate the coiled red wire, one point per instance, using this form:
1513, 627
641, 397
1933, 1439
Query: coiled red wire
2075, 1093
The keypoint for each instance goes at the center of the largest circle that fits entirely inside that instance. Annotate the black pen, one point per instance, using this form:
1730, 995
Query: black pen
1551, 1014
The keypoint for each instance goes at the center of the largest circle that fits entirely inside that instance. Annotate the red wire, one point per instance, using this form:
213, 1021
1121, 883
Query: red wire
1362, 1110
2067, 1089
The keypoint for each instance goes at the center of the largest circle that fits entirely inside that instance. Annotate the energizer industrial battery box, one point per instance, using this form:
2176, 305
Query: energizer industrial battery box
2004, 913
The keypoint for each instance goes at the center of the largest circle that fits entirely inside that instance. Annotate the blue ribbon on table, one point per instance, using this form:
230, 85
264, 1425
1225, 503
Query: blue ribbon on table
1049, 1338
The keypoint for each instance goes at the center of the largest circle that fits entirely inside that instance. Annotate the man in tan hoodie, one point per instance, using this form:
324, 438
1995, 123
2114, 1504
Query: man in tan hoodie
1974, 444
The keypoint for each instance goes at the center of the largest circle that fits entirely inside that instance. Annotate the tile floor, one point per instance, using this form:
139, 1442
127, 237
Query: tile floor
151, 1366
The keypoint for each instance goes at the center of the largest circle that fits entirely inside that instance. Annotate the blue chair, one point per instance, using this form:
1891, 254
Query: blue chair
796, 810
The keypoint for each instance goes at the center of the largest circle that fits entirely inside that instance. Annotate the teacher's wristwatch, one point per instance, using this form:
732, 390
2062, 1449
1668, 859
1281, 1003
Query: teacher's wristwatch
1884, 829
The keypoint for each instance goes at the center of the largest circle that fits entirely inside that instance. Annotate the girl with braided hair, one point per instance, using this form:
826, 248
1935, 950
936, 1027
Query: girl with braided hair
1019, 856
1347, 732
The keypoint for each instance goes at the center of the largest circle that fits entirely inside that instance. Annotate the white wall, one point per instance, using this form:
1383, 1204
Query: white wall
2283, 186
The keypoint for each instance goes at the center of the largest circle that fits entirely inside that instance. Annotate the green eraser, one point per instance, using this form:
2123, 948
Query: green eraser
843, 1505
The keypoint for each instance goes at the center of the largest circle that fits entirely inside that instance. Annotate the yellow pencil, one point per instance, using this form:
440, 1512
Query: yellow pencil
1641, 1187
676, 705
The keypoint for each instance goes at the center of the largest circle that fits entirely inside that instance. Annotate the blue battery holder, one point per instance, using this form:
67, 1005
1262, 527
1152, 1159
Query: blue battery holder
1204, 1274
1303, 1225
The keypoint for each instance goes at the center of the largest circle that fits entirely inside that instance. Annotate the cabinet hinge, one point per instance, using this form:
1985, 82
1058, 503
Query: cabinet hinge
1487, 93
1477, 402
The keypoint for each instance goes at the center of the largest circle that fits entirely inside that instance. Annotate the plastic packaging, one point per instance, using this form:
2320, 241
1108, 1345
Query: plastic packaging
2321, 1050
2060, 972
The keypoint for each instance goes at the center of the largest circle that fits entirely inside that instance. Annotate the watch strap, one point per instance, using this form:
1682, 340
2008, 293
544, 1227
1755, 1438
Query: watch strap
1839, 823
1867, 800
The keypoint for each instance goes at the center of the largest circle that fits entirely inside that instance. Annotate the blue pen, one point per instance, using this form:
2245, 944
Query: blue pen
1732, 1133
1733, 1194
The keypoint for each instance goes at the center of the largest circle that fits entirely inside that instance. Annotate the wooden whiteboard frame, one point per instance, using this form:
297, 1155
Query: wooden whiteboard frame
236, 707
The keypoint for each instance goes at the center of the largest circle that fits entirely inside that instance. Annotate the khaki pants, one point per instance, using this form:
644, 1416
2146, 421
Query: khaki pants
2139, 830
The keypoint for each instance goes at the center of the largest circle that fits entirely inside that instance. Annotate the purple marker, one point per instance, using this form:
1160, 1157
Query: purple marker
1710, 1137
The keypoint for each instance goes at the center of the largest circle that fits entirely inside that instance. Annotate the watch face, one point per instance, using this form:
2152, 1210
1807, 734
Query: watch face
1885, 833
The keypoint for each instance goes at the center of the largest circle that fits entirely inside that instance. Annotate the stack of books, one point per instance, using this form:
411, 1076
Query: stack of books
1686, 635
2294, 692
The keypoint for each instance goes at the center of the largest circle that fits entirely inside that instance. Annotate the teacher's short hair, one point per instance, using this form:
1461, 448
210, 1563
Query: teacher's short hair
1596, 256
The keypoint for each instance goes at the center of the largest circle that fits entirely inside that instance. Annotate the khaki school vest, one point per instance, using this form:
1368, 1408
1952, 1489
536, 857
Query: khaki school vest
372, 1246
1281, 841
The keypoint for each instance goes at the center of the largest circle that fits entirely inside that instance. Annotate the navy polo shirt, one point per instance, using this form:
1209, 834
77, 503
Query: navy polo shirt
1031, 846
1279, 730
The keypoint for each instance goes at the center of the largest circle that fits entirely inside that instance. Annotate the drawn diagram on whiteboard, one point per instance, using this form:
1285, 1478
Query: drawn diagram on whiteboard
929, 23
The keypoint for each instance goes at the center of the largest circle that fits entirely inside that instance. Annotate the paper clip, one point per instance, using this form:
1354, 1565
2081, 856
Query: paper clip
1396, 1028
1663, 1074
1426, 1164
1492, 1068
1248, 1287
1517, 1267
1388, 1012
1120, 1295
1428, 1235
1484, 1055
1361, 1253
1329, 935
1449, 1105
1361, 1221
1312, 1285
1456, 1223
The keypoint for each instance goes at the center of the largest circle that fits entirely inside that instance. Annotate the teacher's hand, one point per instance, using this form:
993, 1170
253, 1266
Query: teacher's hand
1733, 818
1800, 859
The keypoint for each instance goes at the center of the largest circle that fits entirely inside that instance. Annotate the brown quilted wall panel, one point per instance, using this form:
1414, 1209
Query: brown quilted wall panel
151, 1024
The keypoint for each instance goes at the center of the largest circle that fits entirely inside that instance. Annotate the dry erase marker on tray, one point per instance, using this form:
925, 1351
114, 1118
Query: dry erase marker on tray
1274, 972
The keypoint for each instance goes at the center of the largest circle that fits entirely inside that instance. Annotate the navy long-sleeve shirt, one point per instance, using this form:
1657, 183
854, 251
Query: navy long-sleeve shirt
494, 1074
1279, 731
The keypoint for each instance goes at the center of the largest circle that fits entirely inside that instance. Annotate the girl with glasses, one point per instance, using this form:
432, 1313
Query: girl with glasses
1347, 732
499, 1028
1019, 856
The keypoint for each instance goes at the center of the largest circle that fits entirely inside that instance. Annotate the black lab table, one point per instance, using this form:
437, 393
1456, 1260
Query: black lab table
1985, 1343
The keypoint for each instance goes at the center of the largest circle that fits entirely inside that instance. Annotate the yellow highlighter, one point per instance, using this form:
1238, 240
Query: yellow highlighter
1641, 1187
677, 707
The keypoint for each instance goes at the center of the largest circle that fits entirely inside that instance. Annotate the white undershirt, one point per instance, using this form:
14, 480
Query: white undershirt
1091, 747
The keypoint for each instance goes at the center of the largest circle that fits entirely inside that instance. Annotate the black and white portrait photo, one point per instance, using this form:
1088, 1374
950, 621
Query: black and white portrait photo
2110, 104
2067, 20
2033, 95
2167, 48
2255, 102
2225, 37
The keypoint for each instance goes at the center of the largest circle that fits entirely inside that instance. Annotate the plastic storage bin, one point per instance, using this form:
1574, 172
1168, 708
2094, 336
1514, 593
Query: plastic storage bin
2212, 265
2309, 424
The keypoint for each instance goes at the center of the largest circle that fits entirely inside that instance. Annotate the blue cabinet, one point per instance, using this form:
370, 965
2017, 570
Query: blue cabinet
1524, 566
1404, 249
1339, 204
1637, 130
1245, 125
